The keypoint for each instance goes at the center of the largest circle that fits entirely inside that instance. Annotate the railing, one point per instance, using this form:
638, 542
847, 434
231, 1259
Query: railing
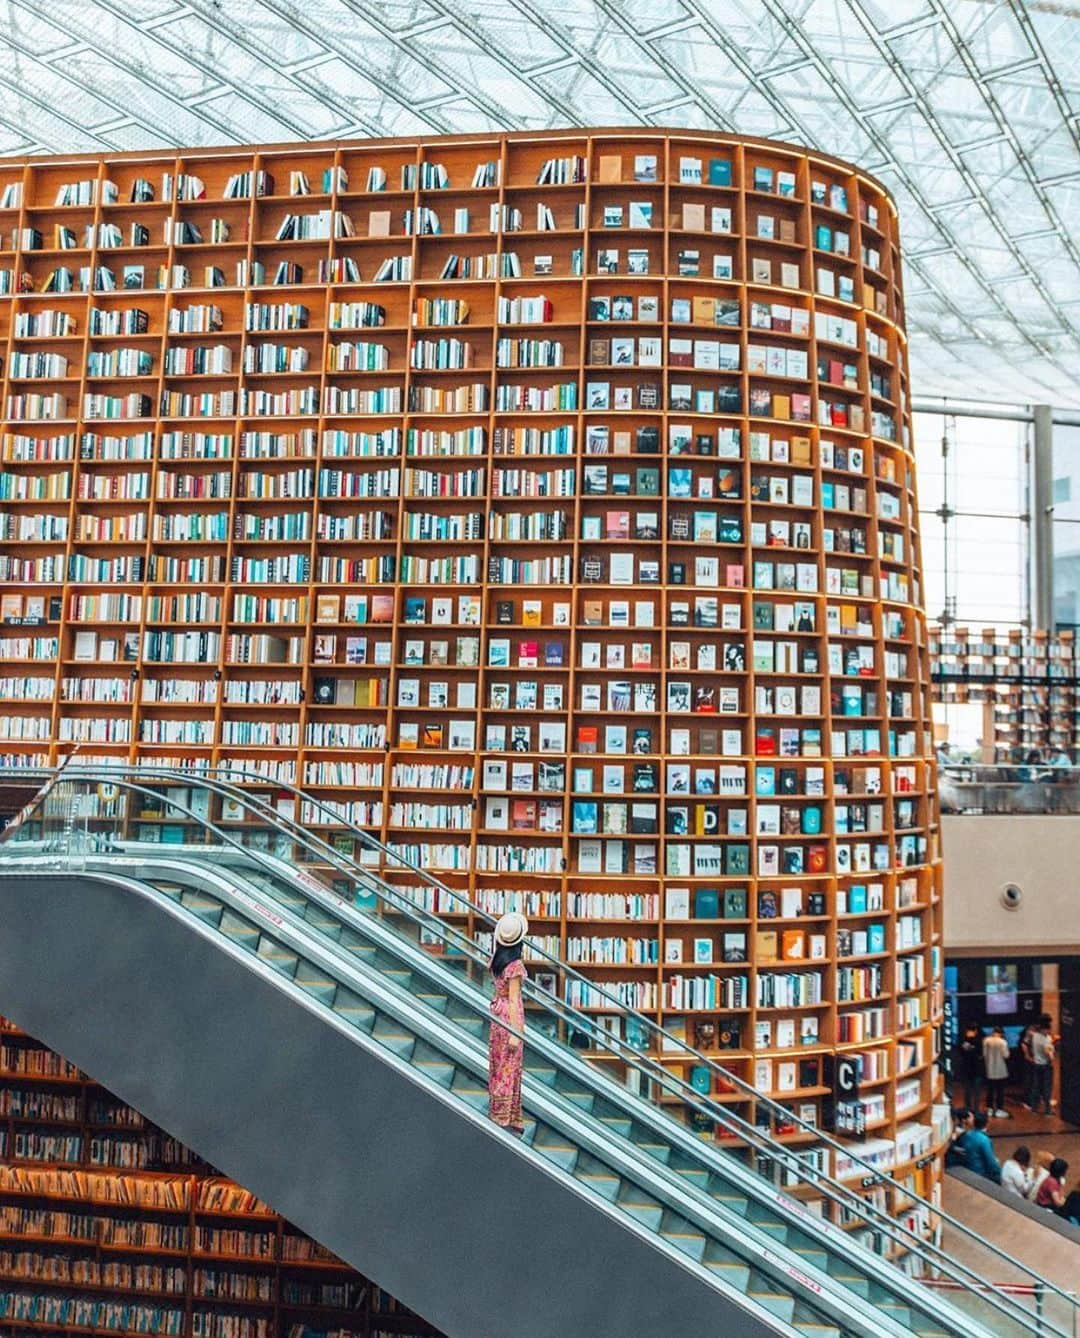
1021, 789
432, 929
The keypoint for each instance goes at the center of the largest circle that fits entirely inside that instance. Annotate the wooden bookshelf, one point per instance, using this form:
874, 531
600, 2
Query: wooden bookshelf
1026, 682
628, 509
196, 1252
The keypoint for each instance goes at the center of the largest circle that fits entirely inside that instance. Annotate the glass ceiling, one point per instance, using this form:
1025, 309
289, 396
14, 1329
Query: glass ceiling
968, 110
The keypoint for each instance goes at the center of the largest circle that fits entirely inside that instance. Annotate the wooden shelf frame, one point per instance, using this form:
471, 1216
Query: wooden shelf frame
885, 564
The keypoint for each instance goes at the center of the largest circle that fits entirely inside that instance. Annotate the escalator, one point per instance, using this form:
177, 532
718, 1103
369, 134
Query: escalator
317, 1053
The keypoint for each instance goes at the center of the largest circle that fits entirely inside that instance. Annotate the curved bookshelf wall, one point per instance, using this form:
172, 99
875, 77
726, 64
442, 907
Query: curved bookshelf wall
546, 500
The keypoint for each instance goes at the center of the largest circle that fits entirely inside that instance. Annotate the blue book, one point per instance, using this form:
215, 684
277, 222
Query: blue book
701, 1078
679, 482
875, 937
811, 820
584, 816
765, 780
763, 178
719, 171
828, 495
823, 237
856, 899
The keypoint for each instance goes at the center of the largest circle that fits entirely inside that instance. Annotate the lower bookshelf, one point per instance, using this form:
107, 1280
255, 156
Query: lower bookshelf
186, 1252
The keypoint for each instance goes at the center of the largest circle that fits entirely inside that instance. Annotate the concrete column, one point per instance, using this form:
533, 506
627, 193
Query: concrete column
1042, 516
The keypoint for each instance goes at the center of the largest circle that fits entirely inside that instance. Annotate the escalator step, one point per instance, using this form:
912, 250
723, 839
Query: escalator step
356, 1011
697, 1176
805, 1321
895, 1310
727, 1265
326, 924
358, 946
660, 1152
765, 1292
434, 1000
637, 1203
232, 926
277, 956
583, 1100
683, 1235
762, 1217
469, 1088
473, 1023
730, 1198
393, 1036
618, 1124
807, 1248
206, 908
840, 1271
316, 982
173, 890
434, 1065
562, 1154
540, 1072
597, 1176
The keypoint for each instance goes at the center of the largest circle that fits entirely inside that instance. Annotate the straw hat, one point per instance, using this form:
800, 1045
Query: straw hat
510, 929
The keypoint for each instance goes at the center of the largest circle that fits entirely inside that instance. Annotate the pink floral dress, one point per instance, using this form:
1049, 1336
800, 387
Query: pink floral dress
504, 1064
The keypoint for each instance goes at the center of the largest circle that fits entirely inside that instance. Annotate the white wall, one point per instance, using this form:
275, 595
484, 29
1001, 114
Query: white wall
1041, 855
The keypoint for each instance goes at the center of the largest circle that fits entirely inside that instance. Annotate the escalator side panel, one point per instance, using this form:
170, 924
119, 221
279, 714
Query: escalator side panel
435, 1205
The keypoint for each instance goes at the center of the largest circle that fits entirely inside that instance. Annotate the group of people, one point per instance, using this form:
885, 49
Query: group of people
1037, 765
1041, 1181
985, 1060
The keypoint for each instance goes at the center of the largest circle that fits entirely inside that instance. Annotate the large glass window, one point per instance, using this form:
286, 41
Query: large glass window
1066, 527
972, 504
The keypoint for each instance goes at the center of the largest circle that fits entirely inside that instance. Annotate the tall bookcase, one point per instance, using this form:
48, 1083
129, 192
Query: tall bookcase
547, 502
110, 1226
1025, 680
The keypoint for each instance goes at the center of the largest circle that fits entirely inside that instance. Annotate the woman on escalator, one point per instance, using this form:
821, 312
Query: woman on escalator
505, 1054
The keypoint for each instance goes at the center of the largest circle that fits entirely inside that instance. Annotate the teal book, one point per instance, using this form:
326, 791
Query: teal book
765, 780
719, 171
735, 903
706, 904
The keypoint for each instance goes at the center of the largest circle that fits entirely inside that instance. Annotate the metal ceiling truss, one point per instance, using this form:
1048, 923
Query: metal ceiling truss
967, 110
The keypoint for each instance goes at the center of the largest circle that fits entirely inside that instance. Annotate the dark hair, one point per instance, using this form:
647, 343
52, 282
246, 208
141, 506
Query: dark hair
1022, 1155
503, 956
999, 1031
981, 1118
1045, 1020
1059, 1168
960, 1114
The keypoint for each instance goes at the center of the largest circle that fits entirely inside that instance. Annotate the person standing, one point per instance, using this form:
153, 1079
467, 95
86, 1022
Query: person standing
1042, 1065
968, 1054
995, 1055
1016, 1173
505, 1055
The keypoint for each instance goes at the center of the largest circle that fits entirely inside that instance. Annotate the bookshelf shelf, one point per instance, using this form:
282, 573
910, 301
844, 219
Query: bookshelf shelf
653, 568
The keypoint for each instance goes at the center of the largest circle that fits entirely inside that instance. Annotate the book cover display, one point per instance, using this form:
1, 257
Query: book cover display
547, 503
